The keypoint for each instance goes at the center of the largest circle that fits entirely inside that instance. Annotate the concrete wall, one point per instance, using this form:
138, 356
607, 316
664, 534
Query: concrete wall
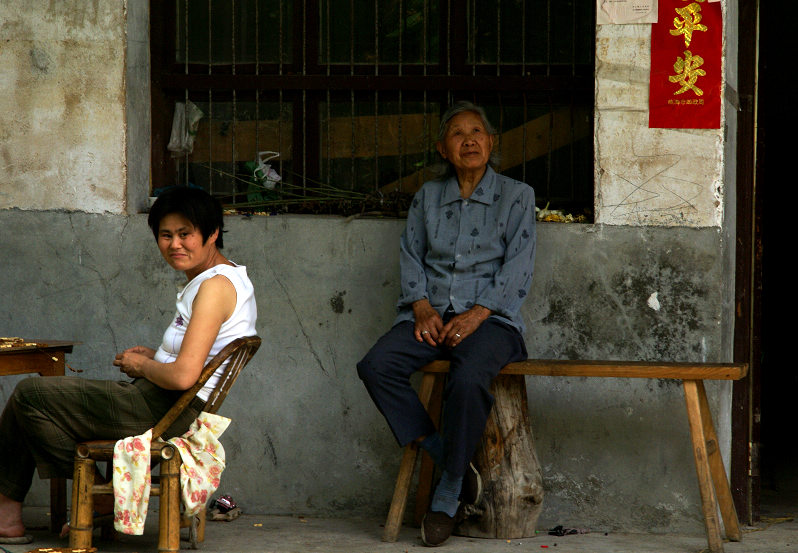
62, 105
74, 130
306, 438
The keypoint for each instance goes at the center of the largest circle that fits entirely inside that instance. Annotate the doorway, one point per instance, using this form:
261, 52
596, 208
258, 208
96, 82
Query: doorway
775, 173
765, 405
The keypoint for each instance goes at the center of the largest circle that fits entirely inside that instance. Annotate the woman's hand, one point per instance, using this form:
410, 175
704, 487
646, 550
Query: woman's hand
462, 325
133, 360
142, 350
428, 322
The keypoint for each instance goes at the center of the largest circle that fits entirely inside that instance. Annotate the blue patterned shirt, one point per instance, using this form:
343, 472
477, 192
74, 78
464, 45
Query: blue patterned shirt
467, 251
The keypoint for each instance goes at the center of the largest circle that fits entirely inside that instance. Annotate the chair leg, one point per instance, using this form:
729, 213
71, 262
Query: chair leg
396, 513
709, 503
196, 527
201, 517
58, 512
722, 489
397, 510
169, 516
80, 526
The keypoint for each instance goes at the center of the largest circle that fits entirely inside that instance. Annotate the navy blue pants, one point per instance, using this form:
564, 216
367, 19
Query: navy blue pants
475, 362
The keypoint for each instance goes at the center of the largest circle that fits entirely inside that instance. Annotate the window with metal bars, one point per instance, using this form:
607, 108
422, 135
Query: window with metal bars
347, 95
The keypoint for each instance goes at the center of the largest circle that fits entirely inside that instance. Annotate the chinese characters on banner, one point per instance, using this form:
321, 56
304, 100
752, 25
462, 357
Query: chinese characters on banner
685, 87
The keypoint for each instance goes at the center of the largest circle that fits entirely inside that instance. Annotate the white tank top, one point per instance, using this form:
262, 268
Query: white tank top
240, 323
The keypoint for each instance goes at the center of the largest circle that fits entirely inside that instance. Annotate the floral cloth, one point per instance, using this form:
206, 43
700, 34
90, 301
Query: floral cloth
131, 480
202, 462
202, 457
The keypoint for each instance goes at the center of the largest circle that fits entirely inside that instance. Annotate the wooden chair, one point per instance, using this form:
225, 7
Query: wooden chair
167, 484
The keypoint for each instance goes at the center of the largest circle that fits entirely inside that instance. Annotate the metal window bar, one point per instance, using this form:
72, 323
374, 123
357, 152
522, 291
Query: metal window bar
210, 93
524, 97
257, 72
376, 92
328, 113
400, 161
548, 72
304, 151
424, 61
573, 72
280, 107
185, 97
233, 154
548, 37
352, 91
524, 135
498, 37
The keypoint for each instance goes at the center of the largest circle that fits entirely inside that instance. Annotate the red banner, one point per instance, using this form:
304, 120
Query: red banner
685, 87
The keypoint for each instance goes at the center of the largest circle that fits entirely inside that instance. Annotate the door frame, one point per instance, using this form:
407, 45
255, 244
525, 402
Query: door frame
746, 396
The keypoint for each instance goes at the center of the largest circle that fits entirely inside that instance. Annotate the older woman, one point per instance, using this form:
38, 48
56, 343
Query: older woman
466, 260
46, 417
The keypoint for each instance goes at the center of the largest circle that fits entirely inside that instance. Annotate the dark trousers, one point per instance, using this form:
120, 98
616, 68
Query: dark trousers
475, 362
46, 417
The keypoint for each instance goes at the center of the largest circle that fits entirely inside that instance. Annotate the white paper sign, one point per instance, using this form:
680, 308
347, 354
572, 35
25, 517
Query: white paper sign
624, 12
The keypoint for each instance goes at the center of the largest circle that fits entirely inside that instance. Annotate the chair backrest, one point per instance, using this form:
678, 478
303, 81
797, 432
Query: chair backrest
238, 352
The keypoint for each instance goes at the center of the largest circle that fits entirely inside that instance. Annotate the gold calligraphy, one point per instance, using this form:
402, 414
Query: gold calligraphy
688, 69
687, 73
689, 22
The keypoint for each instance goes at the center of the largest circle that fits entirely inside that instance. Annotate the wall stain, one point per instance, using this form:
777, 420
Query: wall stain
269, 451
40, 60
337, 302
610, 317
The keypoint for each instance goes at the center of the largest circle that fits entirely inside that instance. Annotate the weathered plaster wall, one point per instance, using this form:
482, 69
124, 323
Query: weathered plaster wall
306, 437
663, 177
62, 105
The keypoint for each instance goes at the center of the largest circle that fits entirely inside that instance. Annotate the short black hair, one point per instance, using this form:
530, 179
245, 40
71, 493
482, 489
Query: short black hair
200, 208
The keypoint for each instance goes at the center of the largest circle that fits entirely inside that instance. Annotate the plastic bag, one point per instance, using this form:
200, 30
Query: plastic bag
184, 128
263, 173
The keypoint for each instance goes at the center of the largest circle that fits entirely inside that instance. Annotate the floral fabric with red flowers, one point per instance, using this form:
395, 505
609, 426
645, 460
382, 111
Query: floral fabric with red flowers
202, 460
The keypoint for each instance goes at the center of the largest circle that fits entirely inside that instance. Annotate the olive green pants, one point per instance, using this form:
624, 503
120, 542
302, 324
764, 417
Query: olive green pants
47, 416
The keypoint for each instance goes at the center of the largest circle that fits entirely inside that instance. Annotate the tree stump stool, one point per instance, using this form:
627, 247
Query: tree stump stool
506, 460
512, 496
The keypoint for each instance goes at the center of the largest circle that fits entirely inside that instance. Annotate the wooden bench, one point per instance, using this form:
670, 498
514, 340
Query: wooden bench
712, 480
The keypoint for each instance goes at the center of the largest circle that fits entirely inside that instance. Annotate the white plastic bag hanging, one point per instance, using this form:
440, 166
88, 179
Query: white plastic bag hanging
263, 173
184, 128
